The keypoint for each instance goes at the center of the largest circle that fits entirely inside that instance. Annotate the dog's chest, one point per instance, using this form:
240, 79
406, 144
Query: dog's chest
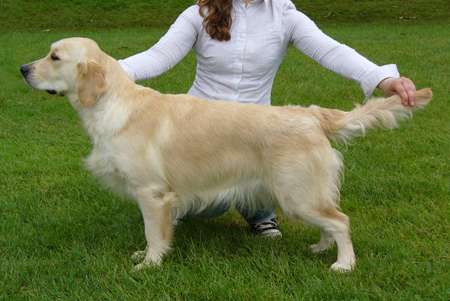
103, 162
121, 164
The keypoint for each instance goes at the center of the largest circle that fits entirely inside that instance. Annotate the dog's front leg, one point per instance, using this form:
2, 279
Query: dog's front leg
155, 207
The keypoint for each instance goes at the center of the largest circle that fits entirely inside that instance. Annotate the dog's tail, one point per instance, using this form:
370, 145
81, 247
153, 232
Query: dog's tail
379, 112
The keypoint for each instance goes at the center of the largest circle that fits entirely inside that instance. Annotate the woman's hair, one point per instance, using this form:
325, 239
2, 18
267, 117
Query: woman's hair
218, 21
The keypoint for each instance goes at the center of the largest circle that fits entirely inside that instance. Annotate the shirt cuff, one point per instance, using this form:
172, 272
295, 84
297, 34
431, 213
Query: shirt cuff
127, 69
371, 81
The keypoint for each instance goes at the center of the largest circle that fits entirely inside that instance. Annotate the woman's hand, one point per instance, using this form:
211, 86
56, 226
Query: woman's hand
402, 86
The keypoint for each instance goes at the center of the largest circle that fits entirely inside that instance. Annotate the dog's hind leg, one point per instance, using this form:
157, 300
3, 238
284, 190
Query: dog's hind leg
155, 207
334, 225
308, 189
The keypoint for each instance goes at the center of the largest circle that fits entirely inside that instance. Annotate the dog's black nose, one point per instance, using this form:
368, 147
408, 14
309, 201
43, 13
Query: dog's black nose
24, 70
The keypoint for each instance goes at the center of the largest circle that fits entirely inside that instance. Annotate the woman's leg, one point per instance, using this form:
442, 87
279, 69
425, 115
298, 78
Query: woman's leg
262, 222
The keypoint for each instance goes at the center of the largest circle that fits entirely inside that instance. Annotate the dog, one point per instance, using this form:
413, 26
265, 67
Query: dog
174, 154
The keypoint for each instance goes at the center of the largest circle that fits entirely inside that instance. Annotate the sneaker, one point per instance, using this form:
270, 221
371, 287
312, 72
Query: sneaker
266, 229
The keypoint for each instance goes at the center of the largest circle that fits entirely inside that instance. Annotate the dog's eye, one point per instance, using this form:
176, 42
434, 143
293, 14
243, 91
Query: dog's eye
54, 57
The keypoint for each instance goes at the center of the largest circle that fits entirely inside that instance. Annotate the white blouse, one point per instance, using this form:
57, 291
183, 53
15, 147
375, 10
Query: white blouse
243, 68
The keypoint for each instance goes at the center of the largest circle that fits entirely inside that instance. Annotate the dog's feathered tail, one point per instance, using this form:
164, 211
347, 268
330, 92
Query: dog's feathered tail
378, 112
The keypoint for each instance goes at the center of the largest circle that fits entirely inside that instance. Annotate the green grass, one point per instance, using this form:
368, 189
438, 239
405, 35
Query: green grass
59, 15
64, 237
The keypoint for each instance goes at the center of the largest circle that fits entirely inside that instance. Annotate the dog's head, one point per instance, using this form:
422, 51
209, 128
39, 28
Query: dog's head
74, 66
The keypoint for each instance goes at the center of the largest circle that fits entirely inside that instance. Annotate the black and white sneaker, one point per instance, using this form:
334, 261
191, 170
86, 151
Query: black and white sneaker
266, 229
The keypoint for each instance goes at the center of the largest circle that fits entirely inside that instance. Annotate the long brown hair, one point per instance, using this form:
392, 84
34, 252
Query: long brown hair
218, 21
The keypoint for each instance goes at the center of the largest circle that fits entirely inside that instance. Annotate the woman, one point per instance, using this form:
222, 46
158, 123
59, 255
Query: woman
239, 46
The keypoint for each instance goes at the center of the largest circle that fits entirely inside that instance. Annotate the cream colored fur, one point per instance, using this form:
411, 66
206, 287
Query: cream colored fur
177, 153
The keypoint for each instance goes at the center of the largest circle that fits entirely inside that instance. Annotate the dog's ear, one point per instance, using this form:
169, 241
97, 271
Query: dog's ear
91, 82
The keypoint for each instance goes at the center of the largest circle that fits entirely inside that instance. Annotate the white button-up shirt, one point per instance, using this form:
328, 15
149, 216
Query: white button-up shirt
243, 68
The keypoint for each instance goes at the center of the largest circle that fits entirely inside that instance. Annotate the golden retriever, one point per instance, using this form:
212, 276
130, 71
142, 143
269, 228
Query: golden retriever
177, 153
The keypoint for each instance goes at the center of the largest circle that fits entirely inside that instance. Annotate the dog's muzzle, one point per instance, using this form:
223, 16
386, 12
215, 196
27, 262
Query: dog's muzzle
25, 70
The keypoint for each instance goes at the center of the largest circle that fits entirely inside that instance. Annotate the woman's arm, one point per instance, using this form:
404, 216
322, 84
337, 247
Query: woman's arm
343, 60
169, 50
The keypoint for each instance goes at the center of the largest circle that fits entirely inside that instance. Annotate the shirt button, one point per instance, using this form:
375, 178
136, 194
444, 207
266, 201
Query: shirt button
240, 58
242, 35
243, 16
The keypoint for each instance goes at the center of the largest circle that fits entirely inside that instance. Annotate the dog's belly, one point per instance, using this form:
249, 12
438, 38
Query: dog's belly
250, 194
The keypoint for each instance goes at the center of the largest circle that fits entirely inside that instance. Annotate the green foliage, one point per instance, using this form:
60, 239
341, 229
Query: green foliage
65, 237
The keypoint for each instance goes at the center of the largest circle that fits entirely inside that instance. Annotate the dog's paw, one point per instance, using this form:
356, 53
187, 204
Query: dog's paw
139, 255
326, 242
318, 248
149, 258
147, 263
343, 267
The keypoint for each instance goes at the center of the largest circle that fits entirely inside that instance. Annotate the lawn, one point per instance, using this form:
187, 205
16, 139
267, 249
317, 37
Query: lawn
63, 236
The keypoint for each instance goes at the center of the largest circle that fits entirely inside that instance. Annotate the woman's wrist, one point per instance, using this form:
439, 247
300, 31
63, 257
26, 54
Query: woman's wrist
384, 83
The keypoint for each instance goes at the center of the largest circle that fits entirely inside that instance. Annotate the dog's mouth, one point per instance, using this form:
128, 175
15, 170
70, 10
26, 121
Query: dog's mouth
53, 92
